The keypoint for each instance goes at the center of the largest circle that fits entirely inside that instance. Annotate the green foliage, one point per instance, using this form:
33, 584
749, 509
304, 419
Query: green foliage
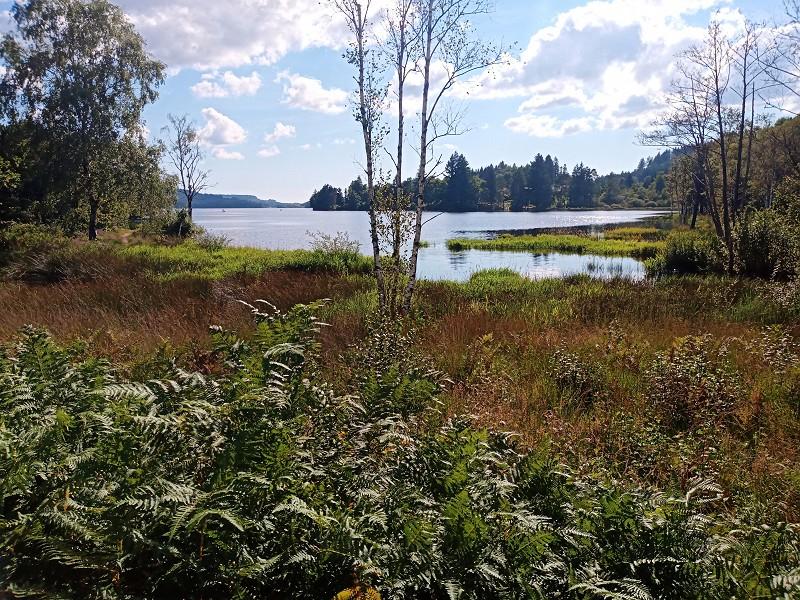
214, 261
178, 224
688, 253
651, 234
767, 245
541, 184
38, 254
460, 193
260, 482
326, 198
581, 382
74, 133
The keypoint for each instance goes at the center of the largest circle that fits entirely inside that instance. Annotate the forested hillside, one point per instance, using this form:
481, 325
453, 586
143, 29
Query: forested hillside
232, 201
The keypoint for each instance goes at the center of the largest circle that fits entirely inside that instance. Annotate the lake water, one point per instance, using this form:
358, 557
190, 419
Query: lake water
287, 229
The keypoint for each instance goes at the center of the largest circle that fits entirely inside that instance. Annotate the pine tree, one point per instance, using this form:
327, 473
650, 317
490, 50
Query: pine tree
461, 195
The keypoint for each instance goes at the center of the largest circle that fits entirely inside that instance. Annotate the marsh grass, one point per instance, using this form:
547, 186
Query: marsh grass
192, 259
564, 243
497, 337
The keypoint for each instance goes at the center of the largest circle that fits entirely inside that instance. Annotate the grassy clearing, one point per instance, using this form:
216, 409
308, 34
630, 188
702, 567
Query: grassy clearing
565, 243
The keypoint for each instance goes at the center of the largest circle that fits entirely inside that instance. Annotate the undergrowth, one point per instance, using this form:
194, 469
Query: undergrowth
260, 481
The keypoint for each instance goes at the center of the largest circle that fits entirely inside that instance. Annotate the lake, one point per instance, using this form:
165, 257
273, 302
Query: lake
287, 229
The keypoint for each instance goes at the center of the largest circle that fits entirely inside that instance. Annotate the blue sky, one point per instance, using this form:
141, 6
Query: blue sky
265, 82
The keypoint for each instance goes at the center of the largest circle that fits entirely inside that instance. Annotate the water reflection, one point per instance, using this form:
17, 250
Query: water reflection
459, 266
290, 228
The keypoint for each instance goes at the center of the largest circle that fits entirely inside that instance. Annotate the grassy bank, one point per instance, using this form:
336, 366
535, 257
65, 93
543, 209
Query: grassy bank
630, 242
192, 259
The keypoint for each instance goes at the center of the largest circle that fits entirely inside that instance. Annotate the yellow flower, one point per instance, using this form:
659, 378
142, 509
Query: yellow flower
358, 593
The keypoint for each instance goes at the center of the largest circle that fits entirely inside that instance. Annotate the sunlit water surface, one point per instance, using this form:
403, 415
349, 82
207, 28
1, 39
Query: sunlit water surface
286, 229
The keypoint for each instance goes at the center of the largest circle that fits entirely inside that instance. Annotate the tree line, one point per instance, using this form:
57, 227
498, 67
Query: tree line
542, 184
730, 160
75, 77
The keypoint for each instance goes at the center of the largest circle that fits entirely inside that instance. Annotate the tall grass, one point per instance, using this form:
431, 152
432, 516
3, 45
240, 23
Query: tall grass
500, 338
192, 259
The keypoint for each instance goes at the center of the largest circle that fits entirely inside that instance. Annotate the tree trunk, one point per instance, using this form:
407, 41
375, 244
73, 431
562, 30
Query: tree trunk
93, 219
189, 199
727, 234
737, 181
367, 129
408, 297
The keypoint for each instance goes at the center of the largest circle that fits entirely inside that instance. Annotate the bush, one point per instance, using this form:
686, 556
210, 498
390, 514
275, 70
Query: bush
38, 254
212, 242
341, 243
688, 253
19, 239
579, 381
689, 389
766, 246
179, 225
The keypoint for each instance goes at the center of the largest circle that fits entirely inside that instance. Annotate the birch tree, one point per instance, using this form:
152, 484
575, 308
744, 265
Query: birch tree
446, 40
368, 107
700, 122
84, 76
186, 155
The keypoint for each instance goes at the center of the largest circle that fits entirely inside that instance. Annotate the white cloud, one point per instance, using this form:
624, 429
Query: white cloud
219, 133
209, 34
308, 147
603, 65
269, 152
214, 34
343, 142
309, 94
225, 154
208, 88
213, 85
220, 130
546, 126
281, 131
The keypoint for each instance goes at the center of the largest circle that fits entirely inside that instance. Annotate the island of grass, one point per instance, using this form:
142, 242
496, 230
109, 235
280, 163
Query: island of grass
636, 242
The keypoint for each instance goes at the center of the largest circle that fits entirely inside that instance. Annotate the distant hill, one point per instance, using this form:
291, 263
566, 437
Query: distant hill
233, 201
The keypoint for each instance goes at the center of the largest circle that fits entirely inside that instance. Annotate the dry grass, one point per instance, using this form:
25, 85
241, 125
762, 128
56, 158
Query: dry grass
130, 316
495, 337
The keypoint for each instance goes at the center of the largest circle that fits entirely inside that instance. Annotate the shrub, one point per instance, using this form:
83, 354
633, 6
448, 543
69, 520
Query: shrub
179, 225
19, 239
579, 381
45, 255
341, 243
766, 246
212, 242
688, 253
689, 389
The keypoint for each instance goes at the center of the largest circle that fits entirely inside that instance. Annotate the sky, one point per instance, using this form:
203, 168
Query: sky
269, 91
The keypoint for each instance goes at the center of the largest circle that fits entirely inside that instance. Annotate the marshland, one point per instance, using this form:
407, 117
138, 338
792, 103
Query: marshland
443, 381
